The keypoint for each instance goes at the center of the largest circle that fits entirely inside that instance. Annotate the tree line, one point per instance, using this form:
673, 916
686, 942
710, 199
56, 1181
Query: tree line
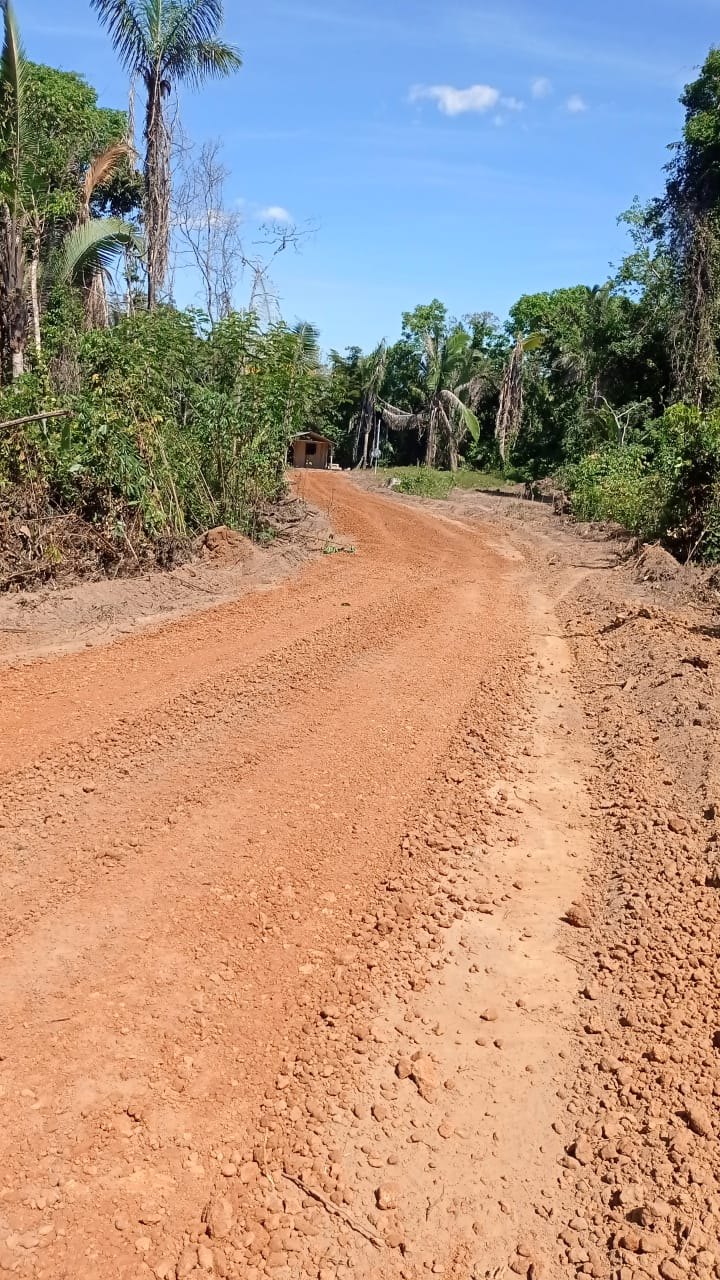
613, 388
153, 423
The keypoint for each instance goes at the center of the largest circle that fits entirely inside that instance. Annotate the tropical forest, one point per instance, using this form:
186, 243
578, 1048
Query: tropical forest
149, 422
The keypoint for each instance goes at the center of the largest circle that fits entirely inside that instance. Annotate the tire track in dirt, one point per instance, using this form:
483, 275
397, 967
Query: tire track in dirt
149, 994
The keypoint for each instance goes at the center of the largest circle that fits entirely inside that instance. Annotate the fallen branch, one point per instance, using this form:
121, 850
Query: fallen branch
334, 1208
36, 417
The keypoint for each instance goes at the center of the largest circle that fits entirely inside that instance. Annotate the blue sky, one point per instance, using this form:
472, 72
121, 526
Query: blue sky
467, 150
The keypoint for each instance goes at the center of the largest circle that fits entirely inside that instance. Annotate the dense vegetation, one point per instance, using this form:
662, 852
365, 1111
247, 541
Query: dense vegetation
150, 424
614, 389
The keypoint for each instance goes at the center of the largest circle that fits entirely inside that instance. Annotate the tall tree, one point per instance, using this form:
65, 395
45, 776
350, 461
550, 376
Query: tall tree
510, 405
446, 389
163, 42
689, 216
36, 210
366, 422
15, 195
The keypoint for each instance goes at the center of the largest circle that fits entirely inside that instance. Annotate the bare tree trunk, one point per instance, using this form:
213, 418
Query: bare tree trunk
157, 190
13, 306
453, 452
697, 367
366, 441
34, 299
510, 409
97, 312
431, 443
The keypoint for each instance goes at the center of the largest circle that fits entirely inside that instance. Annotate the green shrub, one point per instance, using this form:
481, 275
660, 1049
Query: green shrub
175, 425
425, 482
687, 451
617, 484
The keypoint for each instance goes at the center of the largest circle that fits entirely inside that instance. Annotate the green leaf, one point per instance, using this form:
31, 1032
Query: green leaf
470, 422
91, 248
533, 341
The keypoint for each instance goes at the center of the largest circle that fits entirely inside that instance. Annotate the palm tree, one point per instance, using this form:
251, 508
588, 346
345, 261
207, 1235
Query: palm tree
448, 382
367, 419
510, 407
84, 251
161, 42
88, 250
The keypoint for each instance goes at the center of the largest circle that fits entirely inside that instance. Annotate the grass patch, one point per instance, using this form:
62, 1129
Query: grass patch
426, 482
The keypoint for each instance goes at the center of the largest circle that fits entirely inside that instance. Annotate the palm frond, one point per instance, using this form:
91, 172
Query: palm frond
398, 418
308, 336
102, 168
129, 35
91, 248
376, 368
206, 60
192, 22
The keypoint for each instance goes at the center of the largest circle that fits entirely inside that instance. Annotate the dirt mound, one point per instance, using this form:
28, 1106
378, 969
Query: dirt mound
655, 564
226, 546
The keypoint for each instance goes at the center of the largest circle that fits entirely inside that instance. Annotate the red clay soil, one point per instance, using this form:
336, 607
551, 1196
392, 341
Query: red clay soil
289, 981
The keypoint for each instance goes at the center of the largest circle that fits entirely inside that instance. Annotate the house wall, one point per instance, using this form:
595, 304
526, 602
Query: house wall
318, 460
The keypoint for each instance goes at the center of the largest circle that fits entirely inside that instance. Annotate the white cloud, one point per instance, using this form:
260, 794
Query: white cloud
512, 104
575, 104
455, 102
275, 213
541, 87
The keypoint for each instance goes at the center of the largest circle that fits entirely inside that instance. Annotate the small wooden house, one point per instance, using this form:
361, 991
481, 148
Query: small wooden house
310, 449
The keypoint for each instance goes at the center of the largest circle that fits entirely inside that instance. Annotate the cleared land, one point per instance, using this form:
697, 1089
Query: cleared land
367, 925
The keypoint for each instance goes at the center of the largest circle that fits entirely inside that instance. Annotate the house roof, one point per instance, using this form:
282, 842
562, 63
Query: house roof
313, 435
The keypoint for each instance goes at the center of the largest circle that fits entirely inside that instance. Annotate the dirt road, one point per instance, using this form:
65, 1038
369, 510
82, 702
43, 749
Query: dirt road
282, 990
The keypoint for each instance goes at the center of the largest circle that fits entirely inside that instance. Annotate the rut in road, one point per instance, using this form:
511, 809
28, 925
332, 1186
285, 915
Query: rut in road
280, 986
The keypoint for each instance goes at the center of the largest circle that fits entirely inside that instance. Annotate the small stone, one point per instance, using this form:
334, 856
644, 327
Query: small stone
698, 1119
578, 916
219, 1216
425, 1075
489, 1015
164, 1270
228, 1170
394, 1238
205, 1257
445, 1129
386, 1196
186, 1263
582, 1151
630, 1240
403, 1068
